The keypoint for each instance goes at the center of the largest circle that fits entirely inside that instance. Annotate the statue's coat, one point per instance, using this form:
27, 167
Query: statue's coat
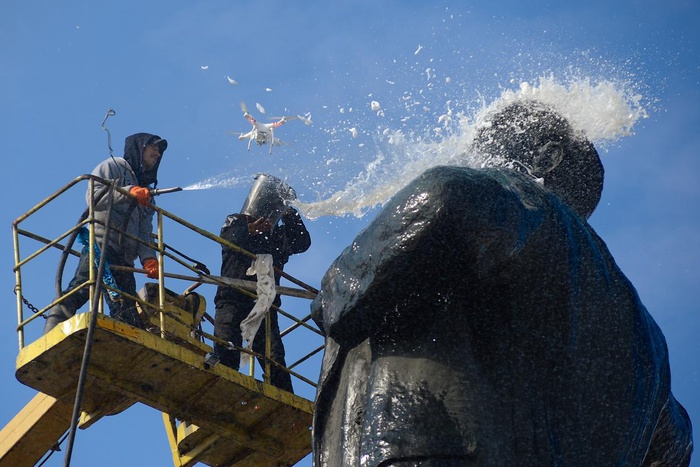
479, 321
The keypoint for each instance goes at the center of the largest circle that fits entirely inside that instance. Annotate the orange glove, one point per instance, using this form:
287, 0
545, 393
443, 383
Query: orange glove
151, 267
143, 195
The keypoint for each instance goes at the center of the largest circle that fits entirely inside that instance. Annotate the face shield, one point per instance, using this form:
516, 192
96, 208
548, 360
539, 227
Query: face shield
269, 197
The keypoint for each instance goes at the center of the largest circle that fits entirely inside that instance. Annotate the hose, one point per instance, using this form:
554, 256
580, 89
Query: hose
69, 245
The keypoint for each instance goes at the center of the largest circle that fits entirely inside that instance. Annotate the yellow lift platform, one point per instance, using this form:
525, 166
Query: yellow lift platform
212, 414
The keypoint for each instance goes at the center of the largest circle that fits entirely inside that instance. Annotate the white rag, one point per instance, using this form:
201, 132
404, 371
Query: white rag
262, 267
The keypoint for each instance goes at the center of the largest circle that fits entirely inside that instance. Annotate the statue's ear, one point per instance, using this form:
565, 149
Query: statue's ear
547, 158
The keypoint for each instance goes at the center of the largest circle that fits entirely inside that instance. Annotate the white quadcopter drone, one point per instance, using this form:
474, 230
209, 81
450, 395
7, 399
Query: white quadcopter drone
262, 133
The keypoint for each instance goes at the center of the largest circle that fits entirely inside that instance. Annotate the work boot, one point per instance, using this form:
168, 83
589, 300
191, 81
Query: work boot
58, 314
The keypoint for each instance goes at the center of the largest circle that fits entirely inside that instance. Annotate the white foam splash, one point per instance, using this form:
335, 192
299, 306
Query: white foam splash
603, 111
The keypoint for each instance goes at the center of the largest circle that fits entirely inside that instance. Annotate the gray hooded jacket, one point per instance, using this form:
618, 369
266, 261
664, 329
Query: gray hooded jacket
127, 216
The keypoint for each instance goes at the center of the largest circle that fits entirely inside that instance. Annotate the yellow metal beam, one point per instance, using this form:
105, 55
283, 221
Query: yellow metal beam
34, 430
192, 447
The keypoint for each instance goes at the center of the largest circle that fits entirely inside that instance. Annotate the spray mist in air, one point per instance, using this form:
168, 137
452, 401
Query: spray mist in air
603, 112
344, 184
220, 181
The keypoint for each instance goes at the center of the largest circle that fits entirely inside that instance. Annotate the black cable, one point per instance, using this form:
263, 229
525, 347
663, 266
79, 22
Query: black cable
197, 265
91, 331
54, 449
110, 113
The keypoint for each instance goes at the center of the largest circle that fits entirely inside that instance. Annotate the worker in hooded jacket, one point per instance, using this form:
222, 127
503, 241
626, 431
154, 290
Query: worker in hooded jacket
130, 216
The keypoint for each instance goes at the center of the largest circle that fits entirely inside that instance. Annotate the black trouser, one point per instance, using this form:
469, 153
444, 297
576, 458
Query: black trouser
122, 309
227, 326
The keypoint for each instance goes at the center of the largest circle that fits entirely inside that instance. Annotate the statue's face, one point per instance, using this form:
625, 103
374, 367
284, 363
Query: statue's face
547, 156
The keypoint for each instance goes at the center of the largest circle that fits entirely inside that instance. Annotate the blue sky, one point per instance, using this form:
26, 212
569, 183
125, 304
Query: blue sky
163, 67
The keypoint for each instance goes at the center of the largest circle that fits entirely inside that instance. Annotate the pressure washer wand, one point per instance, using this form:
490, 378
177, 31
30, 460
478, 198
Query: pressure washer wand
162, 191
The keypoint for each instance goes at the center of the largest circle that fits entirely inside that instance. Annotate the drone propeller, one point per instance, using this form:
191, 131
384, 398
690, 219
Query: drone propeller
306, 119
286, 118
244, 107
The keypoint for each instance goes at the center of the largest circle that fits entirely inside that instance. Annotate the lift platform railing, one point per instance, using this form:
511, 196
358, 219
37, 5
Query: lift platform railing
196, 275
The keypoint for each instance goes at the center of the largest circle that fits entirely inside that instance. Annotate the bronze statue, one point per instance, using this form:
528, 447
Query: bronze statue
479, 320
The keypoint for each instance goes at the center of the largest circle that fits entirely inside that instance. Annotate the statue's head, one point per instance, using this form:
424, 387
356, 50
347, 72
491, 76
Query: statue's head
538, 140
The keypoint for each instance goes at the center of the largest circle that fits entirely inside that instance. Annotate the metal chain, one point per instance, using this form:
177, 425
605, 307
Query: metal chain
29, 305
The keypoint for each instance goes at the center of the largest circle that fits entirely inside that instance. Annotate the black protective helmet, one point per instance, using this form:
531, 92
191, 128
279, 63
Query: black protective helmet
539, 138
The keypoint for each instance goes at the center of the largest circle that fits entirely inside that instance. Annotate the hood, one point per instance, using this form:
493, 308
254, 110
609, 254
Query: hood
133, 154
